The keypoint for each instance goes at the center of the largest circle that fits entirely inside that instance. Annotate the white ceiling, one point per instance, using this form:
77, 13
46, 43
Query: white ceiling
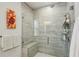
36, 5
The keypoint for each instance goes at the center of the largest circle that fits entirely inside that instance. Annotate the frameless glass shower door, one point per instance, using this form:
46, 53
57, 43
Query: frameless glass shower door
50, 31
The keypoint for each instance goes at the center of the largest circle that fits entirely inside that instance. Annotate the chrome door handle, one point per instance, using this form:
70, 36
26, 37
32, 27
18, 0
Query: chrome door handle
48, 40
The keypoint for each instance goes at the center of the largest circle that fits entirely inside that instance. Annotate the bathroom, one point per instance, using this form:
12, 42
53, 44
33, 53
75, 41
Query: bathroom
44, 32
41, 29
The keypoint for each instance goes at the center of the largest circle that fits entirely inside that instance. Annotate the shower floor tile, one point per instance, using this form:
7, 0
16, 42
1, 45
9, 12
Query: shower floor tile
42, 55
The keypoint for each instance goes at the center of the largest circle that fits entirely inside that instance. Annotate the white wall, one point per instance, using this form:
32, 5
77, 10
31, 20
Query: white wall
76, 10
74, 48
17, 8
11, 32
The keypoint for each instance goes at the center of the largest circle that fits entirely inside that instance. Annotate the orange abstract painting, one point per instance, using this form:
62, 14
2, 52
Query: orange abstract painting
11, 19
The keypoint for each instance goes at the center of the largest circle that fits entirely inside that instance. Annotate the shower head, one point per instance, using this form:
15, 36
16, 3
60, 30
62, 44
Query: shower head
52, 6
72, 7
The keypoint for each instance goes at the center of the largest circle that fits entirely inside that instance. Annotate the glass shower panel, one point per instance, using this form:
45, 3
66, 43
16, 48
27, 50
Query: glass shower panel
50, 38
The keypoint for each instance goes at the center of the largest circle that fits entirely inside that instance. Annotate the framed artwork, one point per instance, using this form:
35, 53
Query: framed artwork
11, 19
